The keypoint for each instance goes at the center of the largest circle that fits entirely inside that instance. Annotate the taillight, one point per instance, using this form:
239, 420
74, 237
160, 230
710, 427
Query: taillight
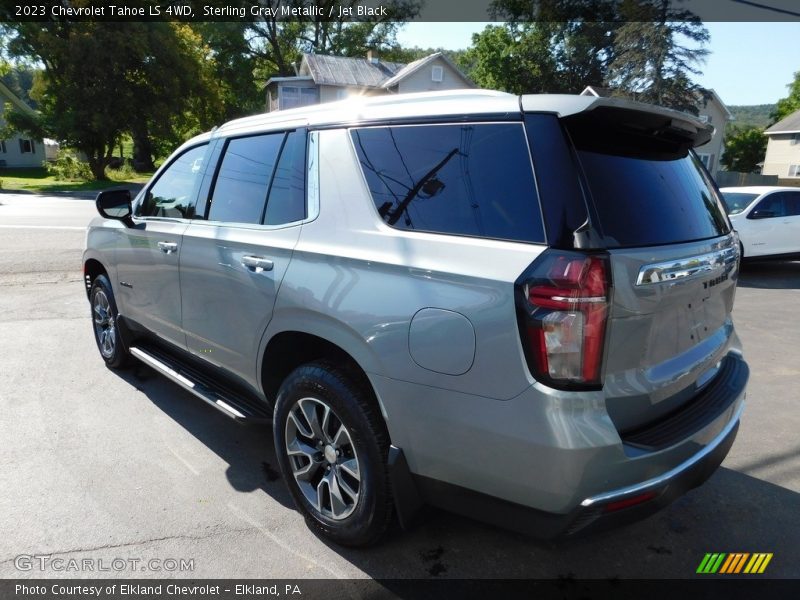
562, 305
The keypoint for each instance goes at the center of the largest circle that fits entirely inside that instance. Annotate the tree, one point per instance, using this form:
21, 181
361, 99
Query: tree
83, 97
652, 62
545, 46
745, 147
791, 103
101, 80
236, 70
176, 90
511, 58
277, 43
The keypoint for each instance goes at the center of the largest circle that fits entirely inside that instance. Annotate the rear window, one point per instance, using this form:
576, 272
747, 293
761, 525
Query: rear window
464, 179
652, 198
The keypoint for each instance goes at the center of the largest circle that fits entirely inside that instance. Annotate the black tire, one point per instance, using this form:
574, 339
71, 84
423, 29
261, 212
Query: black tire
317, 385
105, 325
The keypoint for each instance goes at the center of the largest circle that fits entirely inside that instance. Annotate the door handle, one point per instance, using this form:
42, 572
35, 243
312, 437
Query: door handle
168, 247
257, 263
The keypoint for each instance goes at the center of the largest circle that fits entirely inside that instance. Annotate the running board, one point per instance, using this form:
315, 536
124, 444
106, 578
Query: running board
230, 404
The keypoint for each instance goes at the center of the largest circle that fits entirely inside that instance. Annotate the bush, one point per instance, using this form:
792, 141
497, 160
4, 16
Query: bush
123, 172
68, 167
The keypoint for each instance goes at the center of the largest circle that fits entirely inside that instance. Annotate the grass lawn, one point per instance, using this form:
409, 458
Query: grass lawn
37, 180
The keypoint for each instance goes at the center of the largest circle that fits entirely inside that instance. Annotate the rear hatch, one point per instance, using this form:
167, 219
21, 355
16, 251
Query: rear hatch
655, 218
673, 260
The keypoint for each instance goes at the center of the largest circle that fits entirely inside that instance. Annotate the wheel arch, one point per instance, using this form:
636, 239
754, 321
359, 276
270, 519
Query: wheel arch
310, 337
92, 268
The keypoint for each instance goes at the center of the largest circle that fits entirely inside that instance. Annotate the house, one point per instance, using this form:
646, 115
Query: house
18, 151
783, 148
711, 109
328, 78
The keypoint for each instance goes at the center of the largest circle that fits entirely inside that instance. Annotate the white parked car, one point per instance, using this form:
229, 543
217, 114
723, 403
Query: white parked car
767, 219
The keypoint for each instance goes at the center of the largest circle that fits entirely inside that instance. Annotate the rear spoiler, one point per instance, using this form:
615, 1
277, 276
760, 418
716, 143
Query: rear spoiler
637, 118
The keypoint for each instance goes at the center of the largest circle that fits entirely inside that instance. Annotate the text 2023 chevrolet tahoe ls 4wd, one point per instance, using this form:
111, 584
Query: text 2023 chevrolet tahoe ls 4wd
514, 308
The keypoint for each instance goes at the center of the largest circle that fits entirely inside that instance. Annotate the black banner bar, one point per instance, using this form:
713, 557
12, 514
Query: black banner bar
729, 588
374, 10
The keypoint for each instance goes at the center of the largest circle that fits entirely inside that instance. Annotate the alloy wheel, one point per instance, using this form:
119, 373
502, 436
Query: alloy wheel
323, 458
104, 324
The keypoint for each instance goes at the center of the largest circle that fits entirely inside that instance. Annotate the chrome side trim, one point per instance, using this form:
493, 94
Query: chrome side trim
684, 268
672, 473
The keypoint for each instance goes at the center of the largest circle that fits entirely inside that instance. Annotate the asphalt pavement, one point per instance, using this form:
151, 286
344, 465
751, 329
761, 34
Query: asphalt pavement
102, 465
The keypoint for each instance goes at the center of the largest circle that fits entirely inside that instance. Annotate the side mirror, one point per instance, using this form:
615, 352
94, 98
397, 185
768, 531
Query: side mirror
115, 204
761, 213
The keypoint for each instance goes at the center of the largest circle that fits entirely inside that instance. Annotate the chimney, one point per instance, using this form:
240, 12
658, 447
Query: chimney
372, 57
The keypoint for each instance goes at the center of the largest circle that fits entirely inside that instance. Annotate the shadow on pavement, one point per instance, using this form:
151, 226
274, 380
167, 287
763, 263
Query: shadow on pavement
248, 449
732, 512
777, 275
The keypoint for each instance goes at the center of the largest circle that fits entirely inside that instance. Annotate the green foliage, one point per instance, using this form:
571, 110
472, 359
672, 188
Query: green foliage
19, 78
791, 103
756, 115
67, 167
745, 147
538, 57
102, 80
276, 44
555, 46
657, 49
123, 172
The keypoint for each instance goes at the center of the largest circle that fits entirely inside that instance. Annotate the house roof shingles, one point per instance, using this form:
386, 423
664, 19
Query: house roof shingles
341, 70
790, 124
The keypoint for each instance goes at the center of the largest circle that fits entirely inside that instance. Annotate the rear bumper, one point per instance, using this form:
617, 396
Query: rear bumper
593, 513
550, 466
600, 511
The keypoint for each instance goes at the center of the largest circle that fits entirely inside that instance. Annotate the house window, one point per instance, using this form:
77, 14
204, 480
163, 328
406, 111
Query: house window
794, 170
341, 94
292, 96
795, 139
437, 74
3, 147
707, 160
26, 146
705, 118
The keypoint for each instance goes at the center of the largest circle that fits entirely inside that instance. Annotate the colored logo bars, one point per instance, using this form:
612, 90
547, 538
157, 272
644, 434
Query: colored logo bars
735, 562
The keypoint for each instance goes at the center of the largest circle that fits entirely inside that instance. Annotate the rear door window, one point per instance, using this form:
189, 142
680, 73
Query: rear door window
792, 204
287, 196
242, 184
461, 179
770, 207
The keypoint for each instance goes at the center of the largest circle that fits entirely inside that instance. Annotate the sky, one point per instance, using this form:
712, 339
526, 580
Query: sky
750, 63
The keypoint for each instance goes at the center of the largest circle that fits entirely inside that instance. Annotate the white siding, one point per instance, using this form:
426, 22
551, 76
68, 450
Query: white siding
421, 80
330, 93
781, 153
13, 156
715, 147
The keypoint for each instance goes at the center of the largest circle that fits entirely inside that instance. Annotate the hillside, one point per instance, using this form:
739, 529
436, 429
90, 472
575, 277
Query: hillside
755, 115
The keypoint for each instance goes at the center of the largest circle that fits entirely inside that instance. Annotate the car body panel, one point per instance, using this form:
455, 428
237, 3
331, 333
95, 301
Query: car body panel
148, 284
226, 305
665, 335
